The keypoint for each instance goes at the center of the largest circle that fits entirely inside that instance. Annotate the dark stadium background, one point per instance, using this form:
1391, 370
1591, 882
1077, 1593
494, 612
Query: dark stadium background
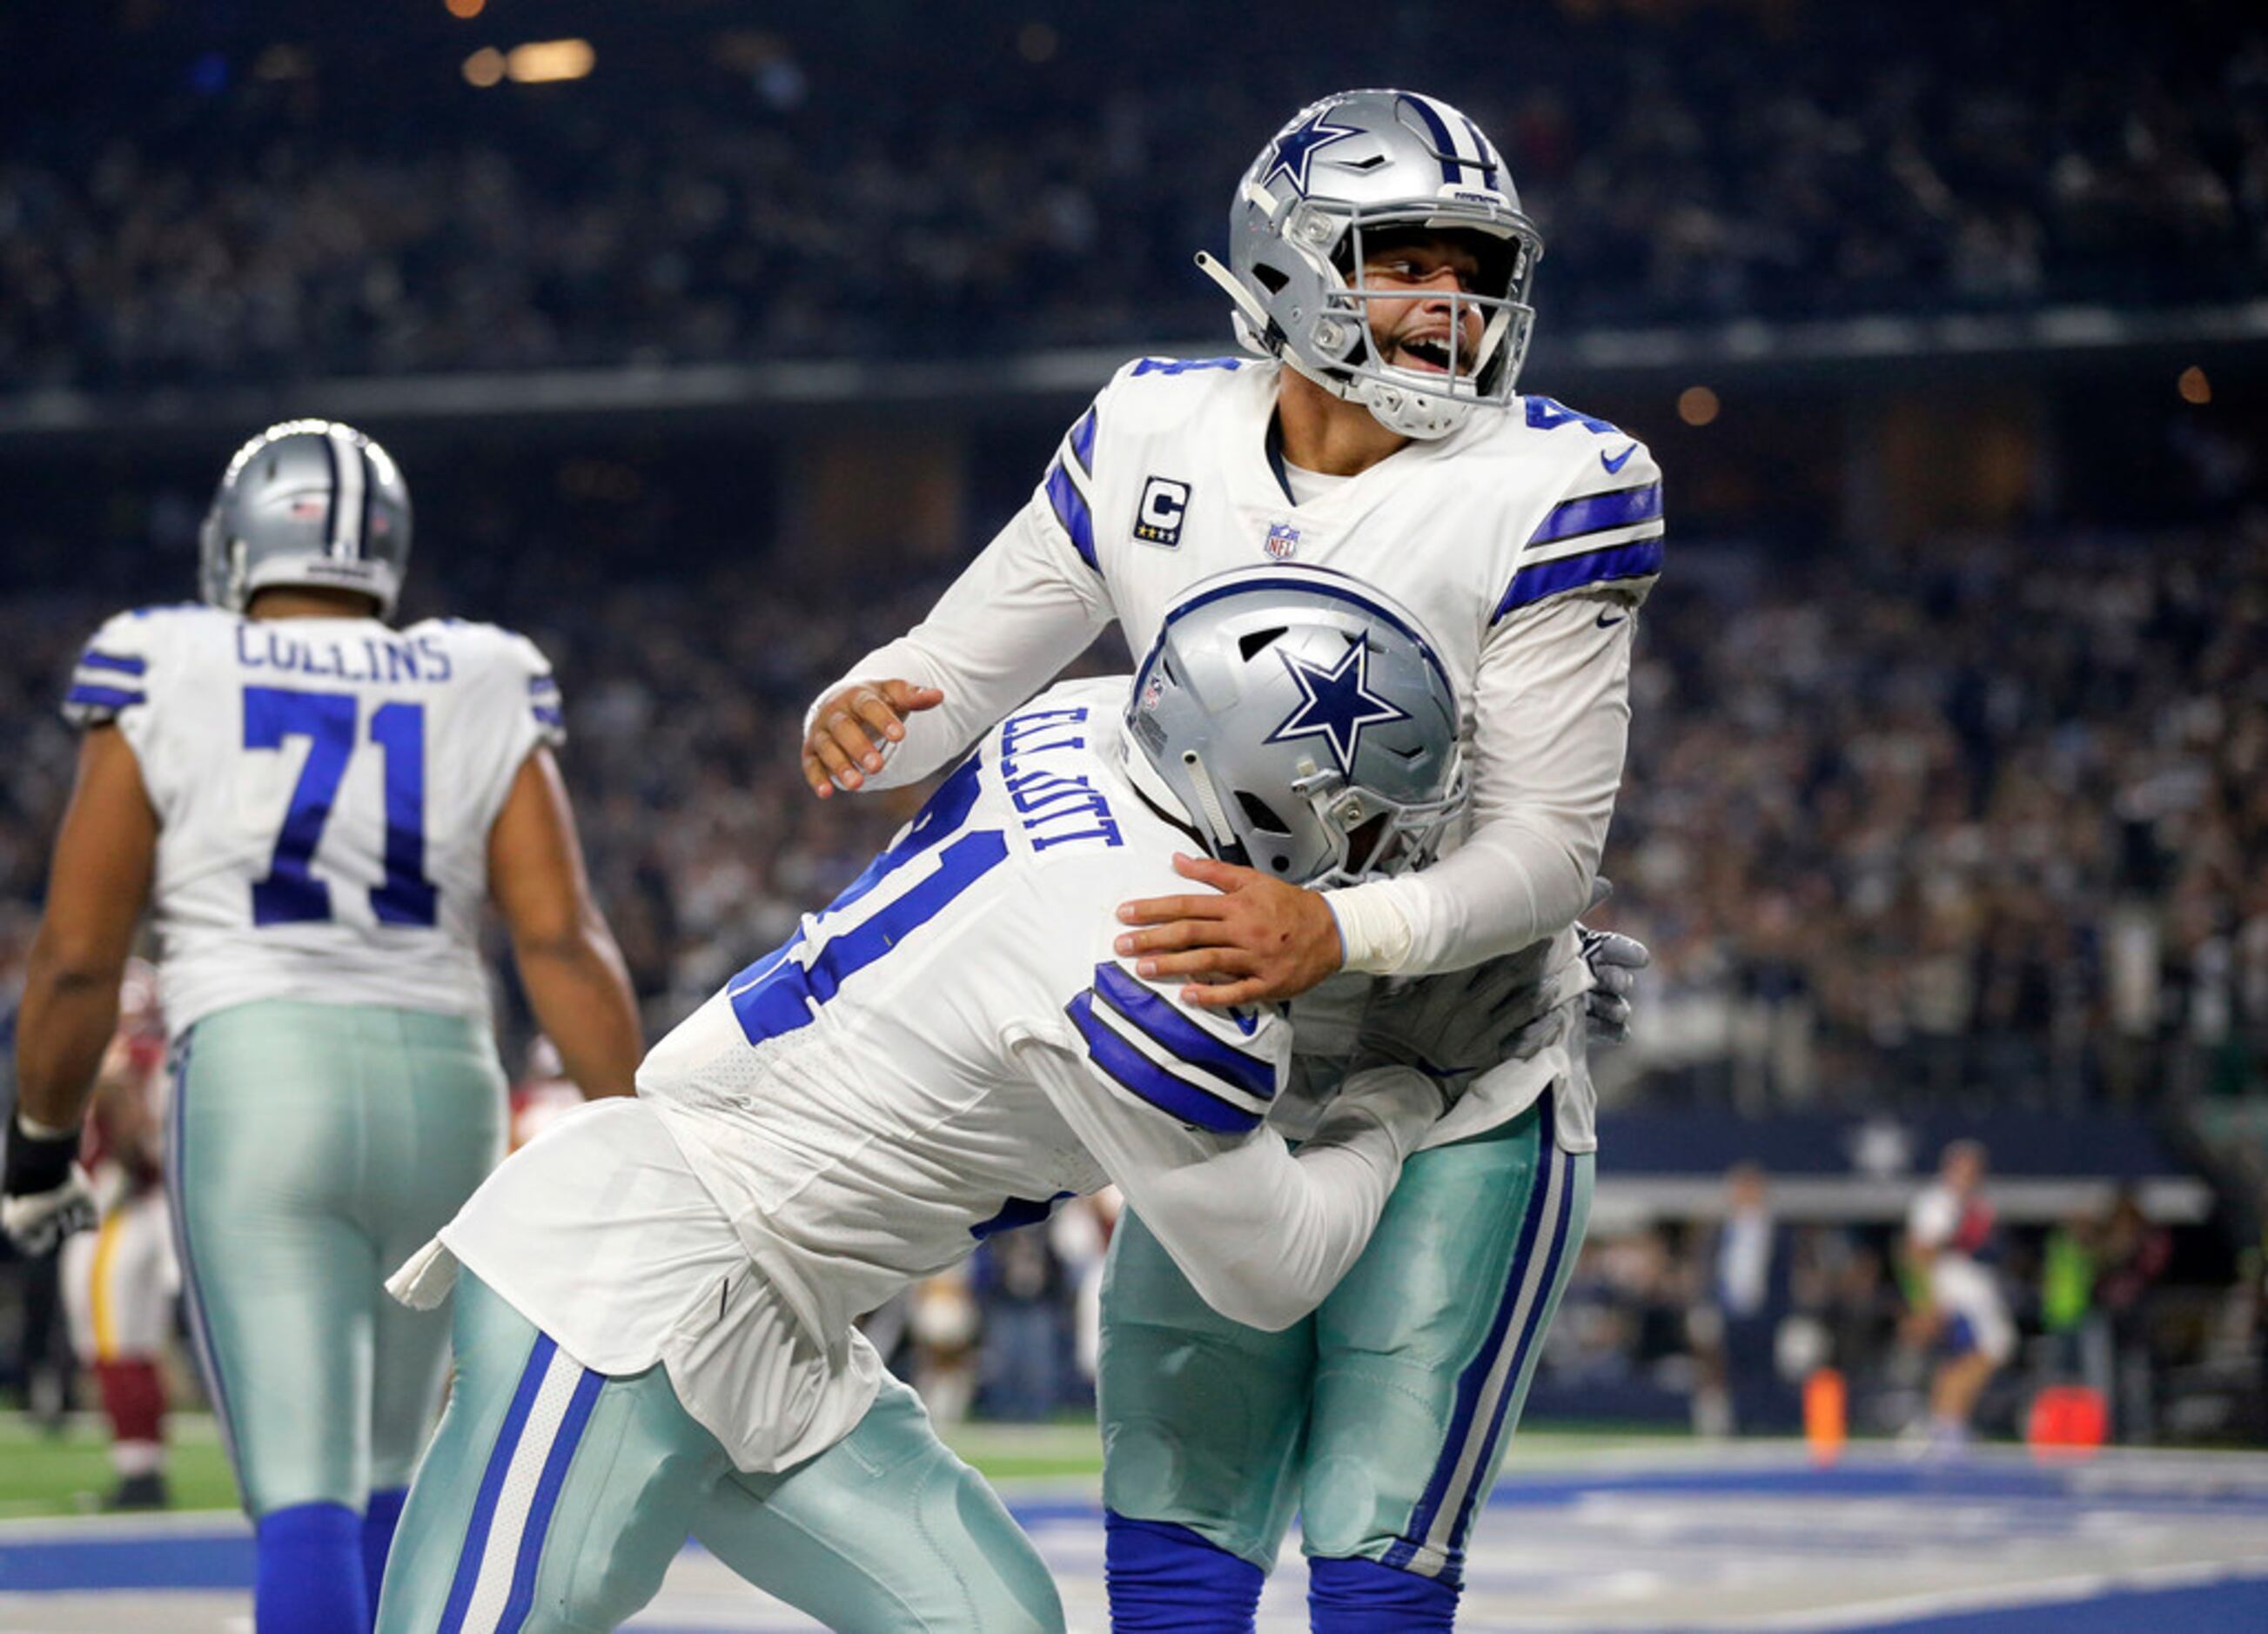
1948, 806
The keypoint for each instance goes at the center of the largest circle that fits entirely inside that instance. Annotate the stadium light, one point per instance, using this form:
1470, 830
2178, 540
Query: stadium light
541, 61
2194, 386
1696, 405
484, 68
465, 11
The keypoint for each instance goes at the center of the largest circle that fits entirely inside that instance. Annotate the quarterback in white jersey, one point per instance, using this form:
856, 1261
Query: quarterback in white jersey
1380, 266
314, 807
948, 1050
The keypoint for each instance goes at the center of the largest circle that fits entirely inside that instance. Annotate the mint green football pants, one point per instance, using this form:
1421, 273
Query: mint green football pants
1383, 1417
554, 1499
313, 1148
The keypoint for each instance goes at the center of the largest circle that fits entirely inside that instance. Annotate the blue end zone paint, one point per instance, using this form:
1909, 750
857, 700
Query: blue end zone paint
2238, 1606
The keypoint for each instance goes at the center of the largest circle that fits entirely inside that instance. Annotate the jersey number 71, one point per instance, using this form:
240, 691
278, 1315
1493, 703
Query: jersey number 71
290, 894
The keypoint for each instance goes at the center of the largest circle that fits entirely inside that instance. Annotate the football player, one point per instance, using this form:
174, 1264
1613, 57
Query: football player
119, 1279
655, 1315
314, 805
1379, 268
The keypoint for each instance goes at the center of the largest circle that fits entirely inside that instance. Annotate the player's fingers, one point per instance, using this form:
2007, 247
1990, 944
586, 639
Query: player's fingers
1229, 961
834, 761
1611, 1013
815, 774
849, 734
1224, 995
1614, 978
1165, 939
1160, 910
1615, 949
1220, 875
909, 699
881, 721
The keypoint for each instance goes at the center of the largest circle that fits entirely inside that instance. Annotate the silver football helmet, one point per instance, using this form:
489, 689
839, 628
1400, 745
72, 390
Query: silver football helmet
1305, 722
308, 502
1347, 168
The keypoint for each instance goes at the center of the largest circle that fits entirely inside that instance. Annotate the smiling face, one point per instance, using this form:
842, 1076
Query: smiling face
1416, 330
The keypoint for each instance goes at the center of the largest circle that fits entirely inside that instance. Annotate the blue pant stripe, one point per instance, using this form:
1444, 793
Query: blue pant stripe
193, 1299
507, 1442
1475, 1378
1534, 1326
522, 1599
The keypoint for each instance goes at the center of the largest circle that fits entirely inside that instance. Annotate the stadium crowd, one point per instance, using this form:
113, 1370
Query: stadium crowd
286, 203
2004, 838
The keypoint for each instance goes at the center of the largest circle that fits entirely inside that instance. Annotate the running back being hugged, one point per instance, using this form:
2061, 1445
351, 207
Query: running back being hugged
1379, 270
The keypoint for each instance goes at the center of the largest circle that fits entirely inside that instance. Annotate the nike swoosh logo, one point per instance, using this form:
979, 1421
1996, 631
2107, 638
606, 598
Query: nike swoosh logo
1609, 623
1620, 459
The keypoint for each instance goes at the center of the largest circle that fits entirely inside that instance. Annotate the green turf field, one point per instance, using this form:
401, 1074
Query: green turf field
68, 1473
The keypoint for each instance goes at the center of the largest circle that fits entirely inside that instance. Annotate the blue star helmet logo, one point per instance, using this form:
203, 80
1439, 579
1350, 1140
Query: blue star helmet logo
1335, 704
1295, 149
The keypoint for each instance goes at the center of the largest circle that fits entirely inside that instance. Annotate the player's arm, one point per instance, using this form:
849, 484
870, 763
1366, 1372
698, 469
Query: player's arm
574, 974
1261, 1233
97, 885
1029, 603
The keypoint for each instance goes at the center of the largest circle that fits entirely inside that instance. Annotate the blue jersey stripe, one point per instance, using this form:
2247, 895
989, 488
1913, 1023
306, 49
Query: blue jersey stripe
484, 1505
1082, 442
103, 697
1172, 1095
548, 716
1530, 584
1453, 168
1072, 511
522, 1600
124, 663
778, 995
1596, 513
1180, 1037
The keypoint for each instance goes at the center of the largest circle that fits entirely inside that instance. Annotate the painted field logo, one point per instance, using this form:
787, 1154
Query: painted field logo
1283, 542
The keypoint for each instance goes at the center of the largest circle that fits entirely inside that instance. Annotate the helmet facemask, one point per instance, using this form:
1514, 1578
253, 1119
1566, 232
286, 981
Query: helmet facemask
1305, 221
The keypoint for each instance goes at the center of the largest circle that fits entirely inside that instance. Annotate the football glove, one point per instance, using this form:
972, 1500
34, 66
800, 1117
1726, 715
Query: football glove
1456, 1026
1615, 960
44, 1195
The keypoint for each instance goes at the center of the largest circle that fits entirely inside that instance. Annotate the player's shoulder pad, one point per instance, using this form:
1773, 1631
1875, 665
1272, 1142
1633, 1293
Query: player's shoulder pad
1603, 523
1153, 392
117, 667
517, 663
1214, 1070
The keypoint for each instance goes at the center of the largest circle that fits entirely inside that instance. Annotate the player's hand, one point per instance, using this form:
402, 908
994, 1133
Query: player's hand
1252, 940
1615, 960
1454, 1026
45, 1195
848, 730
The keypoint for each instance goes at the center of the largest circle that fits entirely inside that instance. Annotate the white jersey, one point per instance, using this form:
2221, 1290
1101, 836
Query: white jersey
1523, 542
324, 789
948, 1050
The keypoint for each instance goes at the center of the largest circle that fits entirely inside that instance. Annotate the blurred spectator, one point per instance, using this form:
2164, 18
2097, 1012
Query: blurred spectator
1752, 1292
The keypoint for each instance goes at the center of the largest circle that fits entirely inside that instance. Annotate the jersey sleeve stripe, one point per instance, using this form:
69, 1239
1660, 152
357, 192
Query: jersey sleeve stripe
1071, 508
1178, 1036
1638, 560
1596, 513
89, 696
546, 716
124, 663
540, 685
1082, 443
1138, 1075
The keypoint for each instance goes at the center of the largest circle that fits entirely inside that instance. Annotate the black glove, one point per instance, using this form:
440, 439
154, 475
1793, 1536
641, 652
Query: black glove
45, 1195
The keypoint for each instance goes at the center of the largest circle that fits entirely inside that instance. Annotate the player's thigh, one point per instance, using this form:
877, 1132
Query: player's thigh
552, 1497
134, 1280
1203, 1419
447, 1091
887, 1530
266, 1150
1425, 1350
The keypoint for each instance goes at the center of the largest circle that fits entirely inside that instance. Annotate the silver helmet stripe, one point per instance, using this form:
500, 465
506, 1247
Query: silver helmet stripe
349, 492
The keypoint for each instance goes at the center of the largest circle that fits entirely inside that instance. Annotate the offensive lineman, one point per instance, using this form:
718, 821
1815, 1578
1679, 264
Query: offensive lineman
1379, 265
657, 1314
314, 805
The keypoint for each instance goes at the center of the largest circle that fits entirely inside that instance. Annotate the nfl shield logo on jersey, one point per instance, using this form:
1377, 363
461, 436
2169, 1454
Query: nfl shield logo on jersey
1282, 540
